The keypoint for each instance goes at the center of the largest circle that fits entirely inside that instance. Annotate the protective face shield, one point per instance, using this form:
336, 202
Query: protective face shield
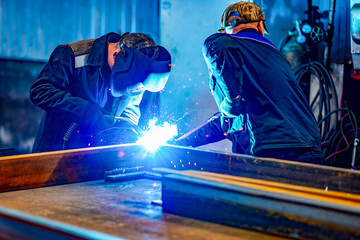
134, 72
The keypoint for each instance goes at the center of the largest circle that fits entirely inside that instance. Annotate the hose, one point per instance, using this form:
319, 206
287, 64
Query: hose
337, 134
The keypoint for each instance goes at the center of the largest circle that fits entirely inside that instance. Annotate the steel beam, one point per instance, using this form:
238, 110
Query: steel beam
78, 165
281, 209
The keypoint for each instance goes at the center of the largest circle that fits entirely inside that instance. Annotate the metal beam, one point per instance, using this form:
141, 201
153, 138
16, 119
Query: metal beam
69, 166
51, 168
303, 174
259, 205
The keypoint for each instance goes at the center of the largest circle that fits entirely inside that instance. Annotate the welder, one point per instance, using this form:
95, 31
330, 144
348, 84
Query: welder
90, 90
262, 109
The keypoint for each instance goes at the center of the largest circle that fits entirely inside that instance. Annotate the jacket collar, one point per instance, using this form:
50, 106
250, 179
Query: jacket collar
99, 50
250, 30
250, 33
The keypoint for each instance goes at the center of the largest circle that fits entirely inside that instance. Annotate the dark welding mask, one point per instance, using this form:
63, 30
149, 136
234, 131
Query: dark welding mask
134, 72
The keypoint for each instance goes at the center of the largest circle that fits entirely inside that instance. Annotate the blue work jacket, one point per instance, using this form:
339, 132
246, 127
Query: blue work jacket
260, 103
74, 91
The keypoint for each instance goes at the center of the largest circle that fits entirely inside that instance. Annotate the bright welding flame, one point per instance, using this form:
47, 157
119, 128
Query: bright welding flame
156, 136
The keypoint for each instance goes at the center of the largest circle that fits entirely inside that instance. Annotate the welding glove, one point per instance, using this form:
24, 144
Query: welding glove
94, 120
208, 132
121, 132
116, 135
232, 125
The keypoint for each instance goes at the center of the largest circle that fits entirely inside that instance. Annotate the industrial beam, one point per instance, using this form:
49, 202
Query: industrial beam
78, 165
281, 209
303, 174
69, 166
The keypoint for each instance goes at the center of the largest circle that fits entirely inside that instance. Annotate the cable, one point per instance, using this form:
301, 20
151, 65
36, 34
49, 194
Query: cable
337, 134
326, 95
338, 141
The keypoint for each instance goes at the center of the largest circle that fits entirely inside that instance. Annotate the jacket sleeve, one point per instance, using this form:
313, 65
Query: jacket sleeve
224, 60
51, 91
208, 132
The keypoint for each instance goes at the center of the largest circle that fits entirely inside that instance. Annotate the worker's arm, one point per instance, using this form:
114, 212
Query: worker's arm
50, 91
208, 132
224, 61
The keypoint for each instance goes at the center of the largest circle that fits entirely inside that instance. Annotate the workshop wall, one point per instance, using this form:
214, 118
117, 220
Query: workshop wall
19, 117
32, 29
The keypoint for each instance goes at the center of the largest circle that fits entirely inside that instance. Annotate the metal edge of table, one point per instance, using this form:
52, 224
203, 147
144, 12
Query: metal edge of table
19, 225
259, 210
291, 172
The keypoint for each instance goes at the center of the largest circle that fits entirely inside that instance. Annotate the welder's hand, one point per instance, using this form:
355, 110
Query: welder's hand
121, 122
122, 131
116, 135
94, 119
232, 125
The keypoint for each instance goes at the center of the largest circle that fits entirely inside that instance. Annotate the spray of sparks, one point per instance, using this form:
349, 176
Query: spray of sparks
156, 135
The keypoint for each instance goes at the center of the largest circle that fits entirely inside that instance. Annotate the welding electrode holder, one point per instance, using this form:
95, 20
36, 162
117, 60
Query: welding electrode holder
122, 131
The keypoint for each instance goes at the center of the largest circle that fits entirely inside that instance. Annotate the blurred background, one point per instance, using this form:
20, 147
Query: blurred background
30, 30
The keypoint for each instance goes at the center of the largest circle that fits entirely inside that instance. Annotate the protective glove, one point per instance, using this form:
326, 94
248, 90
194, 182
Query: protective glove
232, 125
208, 132
94, 120
115, 135
122, 131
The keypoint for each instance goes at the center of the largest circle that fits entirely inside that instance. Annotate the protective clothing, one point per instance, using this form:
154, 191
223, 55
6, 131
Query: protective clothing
74, 87
262, 106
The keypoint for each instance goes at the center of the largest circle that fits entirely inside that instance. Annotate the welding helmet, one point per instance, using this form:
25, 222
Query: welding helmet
134, 72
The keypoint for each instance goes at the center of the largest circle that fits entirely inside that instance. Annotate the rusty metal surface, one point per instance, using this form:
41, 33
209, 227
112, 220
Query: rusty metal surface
311, 175
52, 168
120, 209
69, 166
124, 209
282, 209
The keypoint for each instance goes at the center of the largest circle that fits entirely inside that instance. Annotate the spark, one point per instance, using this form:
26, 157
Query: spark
156, 136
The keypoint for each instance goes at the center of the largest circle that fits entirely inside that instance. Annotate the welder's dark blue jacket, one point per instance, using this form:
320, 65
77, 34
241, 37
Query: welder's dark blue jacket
262, 106
74, 90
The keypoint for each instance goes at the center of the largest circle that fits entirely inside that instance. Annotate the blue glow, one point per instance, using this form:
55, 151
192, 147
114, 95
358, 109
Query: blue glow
156, 136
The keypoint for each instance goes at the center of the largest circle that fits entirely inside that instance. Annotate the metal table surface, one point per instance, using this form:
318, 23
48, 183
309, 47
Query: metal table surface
121, 209
80, 199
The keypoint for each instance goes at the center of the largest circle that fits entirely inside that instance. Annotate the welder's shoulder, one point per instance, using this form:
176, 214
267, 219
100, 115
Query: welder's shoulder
81, 47
73, 54
217, 42
62, 55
